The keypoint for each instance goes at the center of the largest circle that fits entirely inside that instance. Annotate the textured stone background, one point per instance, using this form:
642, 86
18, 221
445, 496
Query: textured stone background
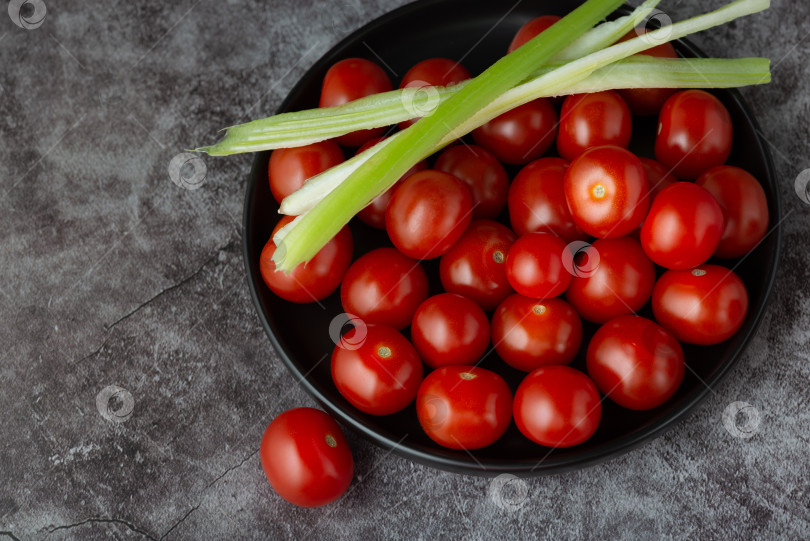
111, 274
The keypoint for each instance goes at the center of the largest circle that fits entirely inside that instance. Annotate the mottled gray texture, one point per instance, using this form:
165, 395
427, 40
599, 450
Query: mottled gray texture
111, 274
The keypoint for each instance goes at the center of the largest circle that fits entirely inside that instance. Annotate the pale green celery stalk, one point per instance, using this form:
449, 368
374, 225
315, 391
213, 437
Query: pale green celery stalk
632, 72
385, 167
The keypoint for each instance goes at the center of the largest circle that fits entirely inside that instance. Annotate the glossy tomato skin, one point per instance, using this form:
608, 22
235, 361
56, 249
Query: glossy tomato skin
373, 214
384, 287
483, 174
428, 213
537, 201
694, 133
530, 333
744, 205
378, 373
606, 190
448, 329
289, 168
306, 457
684, 226
557, 406
534, 266
531, 29
311, 281
592, 120
635, 362
475, 266
348, 80
520, 135
658, 176
433, 72
705, 305
647, 101
464, 407
619, 284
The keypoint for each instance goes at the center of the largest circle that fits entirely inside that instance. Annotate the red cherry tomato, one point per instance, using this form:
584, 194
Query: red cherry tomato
745, 208
464, 407
620, 283
705, 305
428, 213
530, 333
349, 80
483, 174
694, 133
557, 406
378, 373
537, 201
306, 458
531, 29
449, 329
647, 101
658, 177
592, 120
683, 227
520, 135
374, 213
385, 287
475, 266
636, 363
606, 190
534, 266
290, 167
433, 72
311, 281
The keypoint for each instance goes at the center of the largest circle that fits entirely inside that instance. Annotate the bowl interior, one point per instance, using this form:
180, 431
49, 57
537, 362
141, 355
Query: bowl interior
477, 33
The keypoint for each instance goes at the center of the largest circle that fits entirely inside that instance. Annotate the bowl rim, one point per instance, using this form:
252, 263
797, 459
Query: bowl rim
588, 458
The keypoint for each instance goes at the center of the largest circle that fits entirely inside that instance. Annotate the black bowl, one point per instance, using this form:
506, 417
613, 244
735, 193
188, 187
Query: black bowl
477, 32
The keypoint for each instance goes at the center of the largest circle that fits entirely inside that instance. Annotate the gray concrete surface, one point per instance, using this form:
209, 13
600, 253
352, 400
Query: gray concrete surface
112, 275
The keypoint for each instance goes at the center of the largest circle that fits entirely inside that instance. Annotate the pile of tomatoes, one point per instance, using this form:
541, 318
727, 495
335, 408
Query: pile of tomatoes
594, 233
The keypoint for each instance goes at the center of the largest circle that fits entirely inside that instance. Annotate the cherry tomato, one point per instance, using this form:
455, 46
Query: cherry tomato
385, 287
619, 284
557, 406
290, 167
306, 458
534, 266
705, 305
483, 174
537, 201
428, 213
530, 333
647, 101
464, 407
658, 177
311, 281
374, 213
745, 208
592, 120
378, 373
606, 189
433, 72
683, 227
531, 29
475, 266
520, 135
348, 80
694, 133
